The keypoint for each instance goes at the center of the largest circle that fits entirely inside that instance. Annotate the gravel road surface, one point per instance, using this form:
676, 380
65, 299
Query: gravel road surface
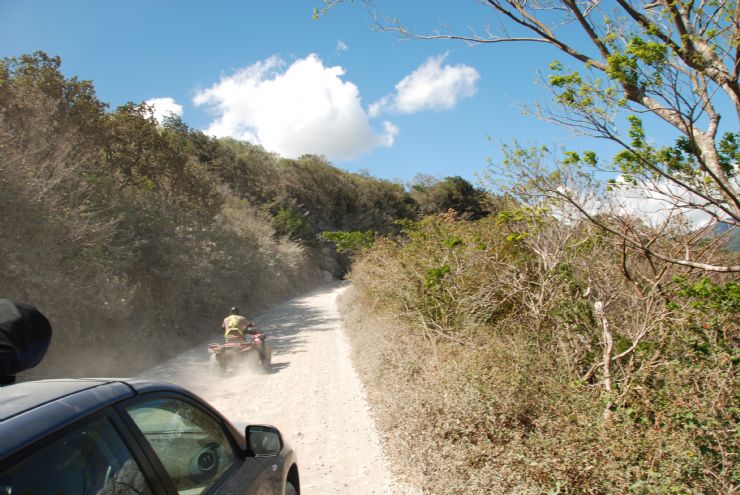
312, 394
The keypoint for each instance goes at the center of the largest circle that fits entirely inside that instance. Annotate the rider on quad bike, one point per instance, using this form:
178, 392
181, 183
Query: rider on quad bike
236, 327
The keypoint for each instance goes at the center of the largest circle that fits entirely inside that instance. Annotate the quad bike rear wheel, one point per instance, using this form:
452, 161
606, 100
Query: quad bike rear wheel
215, 365
228, 360
266, 357
252, 360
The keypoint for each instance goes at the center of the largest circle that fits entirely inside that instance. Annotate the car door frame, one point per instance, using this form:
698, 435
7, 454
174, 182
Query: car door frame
112, 415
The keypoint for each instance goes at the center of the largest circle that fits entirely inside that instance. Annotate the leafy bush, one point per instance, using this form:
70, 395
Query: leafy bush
354, 242
439, 196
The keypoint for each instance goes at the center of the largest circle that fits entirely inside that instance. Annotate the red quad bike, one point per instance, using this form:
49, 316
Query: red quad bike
236, 351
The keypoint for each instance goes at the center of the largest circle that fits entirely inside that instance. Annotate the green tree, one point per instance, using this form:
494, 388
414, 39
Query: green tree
449, 193
354, 242
633, 62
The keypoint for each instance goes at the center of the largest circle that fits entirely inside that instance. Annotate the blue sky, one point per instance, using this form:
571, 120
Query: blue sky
268, 72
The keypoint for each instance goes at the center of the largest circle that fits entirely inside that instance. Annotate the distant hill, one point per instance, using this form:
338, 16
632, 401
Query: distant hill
734, 240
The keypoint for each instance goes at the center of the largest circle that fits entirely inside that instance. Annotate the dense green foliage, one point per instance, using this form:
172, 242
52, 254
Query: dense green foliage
353, 242
491, 339
117, 227
308, 195
455, 193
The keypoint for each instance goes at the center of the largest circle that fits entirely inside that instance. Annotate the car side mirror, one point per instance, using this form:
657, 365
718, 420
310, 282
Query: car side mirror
263, 441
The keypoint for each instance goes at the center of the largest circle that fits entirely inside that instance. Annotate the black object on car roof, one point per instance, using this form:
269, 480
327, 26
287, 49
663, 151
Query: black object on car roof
25, 335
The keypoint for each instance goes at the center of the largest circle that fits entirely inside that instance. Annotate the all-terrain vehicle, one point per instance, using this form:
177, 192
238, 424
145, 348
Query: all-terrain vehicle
252, 351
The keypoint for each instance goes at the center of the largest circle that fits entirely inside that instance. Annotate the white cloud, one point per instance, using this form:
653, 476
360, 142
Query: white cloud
304, 108
391, 131
379, 106
657, 201
164, 107
341, 46
432, 86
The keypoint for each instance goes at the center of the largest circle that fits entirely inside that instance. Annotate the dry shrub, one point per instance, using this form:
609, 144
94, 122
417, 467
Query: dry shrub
486, 372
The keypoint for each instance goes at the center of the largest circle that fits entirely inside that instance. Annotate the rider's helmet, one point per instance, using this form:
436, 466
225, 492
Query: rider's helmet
234, 310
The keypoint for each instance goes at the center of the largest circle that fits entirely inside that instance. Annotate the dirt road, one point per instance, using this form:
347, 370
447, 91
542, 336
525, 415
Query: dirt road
313, 394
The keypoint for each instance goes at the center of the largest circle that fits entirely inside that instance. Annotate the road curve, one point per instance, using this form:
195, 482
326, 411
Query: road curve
313, 395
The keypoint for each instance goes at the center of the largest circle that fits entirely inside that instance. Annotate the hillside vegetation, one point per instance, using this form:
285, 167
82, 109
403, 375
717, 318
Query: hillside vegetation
135, 238
517, 354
